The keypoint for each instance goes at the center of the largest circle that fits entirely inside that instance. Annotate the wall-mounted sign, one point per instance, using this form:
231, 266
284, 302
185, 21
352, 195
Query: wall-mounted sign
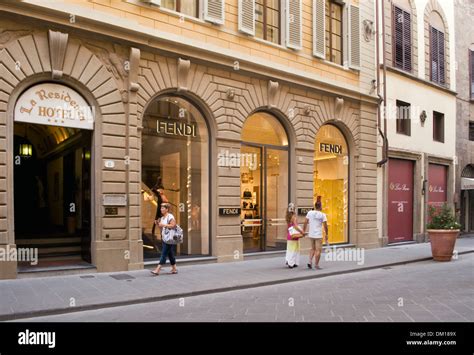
230, 211
114, 200
55, 105
438, 182
303, 211
111, 211
330, 148
467, 183
176, 128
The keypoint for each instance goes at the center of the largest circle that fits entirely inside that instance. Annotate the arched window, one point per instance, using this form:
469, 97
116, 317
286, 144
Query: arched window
331, 180
402, 35
175, 162
437, 49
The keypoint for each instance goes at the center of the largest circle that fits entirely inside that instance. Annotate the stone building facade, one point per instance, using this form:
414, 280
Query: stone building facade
141, 69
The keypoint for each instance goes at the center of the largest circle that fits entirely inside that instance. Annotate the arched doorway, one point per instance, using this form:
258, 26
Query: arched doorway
331, 180
264, 163
52, 176
467, 198
175, 160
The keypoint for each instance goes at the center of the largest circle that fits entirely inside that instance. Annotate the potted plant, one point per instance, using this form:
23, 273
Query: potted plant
443, 231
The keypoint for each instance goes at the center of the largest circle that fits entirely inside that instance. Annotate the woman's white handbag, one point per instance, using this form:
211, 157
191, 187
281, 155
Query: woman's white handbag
173, 235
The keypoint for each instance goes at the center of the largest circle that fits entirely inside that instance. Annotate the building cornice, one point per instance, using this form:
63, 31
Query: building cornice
420, 80
153, 40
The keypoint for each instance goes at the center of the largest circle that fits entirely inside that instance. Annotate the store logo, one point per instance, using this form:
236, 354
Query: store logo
176, 128
234, 160
37, 338
436, 188
399, 187
330, 148
345, 254
19, 254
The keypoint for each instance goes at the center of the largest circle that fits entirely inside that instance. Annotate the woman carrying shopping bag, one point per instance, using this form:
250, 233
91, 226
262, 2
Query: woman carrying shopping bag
293, 240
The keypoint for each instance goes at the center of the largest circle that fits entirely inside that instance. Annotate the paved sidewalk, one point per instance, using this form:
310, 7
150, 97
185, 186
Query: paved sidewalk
24, 298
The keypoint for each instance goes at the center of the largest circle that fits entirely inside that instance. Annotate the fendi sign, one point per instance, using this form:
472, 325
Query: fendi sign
229, 211
330, 148
55, 105
176, 128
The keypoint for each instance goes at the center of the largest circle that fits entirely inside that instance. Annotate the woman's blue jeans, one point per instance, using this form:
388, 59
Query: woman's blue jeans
167, 251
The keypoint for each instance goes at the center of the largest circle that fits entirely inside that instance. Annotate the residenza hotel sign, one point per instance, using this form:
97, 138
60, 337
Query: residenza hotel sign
55, 105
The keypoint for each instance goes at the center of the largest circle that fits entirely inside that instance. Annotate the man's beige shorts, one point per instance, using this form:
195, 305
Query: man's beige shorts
316, 244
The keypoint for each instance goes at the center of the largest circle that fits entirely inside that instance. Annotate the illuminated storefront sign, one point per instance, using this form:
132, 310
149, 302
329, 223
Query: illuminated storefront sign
330, 148
176, 128
55, 105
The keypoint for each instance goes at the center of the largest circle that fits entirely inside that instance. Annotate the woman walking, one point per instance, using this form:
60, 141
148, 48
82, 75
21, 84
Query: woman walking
167, 221
293, 241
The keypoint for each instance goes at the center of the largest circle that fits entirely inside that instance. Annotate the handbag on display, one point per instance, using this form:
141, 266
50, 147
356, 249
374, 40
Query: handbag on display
294, 233
247, 194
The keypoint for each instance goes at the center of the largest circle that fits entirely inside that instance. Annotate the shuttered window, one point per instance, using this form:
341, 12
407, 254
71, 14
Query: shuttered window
247, 16
471, 130
294, 31
471, 71
354, 37
214, 11
437, 55
401, 35
268, 20
319, 28
333, 36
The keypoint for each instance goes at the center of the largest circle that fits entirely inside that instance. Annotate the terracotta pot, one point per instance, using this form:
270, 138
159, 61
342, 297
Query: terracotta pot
442, 243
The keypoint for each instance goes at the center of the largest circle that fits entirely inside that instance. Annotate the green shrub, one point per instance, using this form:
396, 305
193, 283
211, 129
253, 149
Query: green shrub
442, 218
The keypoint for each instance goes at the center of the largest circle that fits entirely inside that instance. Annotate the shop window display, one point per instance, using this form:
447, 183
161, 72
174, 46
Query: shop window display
331, 180
175, 158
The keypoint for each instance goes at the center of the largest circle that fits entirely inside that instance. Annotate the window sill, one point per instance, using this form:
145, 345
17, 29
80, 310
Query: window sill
169, 12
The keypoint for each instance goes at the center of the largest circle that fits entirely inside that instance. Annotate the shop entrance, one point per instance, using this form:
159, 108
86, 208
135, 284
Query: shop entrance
264, 184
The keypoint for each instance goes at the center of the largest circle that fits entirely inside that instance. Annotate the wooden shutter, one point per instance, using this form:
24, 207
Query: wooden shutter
406, 41
294, 29
397, 14
471, 81
319, 28
402, 48
247, 16
214, 11
441, 58
354, 37
434, 54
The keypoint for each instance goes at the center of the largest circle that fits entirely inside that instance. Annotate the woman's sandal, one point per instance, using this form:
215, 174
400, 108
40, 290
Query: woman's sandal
154, 273
174, 272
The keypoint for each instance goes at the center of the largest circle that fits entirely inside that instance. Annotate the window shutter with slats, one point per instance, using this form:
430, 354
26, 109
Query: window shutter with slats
406, 41
442, 73
293, 19
354, 37
214, 11
247, 16
319, 28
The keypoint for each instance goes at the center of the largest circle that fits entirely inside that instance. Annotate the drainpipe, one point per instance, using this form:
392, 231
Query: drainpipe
381, 99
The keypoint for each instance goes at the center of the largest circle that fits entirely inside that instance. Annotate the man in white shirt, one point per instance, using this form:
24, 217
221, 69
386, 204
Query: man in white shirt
316, 220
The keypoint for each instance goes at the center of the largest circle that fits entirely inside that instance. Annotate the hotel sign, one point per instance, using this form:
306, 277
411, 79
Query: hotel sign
55, 105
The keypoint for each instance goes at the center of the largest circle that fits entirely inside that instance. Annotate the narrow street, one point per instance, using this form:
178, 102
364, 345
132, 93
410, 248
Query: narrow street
425, 291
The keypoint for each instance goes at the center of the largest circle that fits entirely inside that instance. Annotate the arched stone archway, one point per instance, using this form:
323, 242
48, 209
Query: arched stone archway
54, 57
